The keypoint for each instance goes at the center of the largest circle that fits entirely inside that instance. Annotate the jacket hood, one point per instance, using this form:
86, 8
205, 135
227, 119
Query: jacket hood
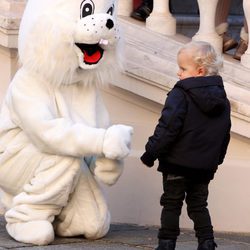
206, 92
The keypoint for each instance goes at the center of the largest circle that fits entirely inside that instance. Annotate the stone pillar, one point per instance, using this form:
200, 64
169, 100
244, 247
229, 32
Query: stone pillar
10, 16
206, 30
245, 59
125, 7
161, 20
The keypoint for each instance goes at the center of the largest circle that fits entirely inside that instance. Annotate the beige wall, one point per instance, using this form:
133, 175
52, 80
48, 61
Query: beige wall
135, 198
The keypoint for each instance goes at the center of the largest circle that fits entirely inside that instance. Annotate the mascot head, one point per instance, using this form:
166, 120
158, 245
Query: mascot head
68, 41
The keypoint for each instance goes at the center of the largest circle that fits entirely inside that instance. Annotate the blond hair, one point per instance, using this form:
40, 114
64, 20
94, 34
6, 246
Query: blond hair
204, 55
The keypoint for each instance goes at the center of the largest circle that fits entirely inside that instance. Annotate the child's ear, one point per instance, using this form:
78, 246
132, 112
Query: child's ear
201, 71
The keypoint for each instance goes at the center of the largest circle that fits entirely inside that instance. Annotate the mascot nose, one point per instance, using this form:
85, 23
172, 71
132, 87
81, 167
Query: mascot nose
109, 24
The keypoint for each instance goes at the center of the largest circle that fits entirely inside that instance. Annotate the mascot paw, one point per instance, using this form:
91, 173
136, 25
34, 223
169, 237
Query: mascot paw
108, 171
117, 141
33, 232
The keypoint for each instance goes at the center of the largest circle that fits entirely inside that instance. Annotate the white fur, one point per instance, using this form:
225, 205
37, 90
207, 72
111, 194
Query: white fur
41, 232
107, 170
55, 31
55, 137
117, 141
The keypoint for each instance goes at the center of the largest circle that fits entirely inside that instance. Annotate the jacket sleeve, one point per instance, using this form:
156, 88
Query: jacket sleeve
32, 111
169, 124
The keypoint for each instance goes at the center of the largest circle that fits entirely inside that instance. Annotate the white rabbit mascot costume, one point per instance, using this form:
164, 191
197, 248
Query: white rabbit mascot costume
56, 143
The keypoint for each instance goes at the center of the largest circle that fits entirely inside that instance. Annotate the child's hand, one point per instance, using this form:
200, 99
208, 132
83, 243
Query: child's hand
147, 160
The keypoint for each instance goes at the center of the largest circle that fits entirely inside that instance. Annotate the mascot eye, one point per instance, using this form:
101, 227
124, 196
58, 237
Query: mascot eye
111, 10
87, 8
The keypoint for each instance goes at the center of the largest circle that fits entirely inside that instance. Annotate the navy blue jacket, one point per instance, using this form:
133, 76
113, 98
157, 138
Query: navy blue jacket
193, 132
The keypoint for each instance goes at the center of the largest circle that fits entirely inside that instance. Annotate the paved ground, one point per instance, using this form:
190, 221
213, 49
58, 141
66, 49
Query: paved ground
126, 237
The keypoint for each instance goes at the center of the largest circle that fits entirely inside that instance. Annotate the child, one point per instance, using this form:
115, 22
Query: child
190, 141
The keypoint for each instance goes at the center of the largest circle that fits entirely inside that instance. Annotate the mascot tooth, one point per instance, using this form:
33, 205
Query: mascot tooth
56, 142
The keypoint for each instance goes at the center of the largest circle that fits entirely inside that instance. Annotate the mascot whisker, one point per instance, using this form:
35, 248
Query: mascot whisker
56, 141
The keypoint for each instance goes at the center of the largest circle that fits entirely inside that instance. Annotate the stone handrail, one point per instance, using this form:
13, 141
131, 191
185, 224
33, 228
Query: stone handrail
162, 21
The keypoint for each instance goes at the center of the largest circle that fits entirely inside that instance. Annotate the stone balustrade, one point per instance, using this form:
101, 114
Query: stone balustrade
162, 21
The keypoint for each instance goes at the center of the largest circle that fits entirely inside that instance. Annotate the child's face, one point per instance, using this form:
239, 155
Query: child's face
187, 66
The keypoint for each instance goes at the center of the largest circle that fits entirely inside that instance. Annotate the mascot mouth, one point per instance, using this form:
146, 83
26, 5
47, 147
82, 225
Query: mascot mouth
92, 53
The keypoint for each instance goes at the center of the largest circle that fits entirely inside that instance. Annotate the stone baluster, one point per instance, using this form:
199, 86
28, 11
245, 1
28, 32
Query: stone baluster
161, 20
245, 59
125, 7
206, 30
